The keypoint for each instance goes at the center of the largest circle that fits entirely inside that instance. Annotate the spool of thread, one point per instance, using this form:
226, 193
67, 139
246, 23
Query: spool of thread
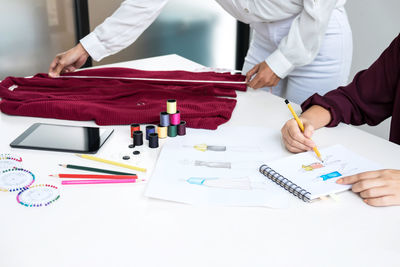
172, 130
175, 118
150, 129
162, 132
182, 128
134, 127
171, 106
153, 140
138, 138
164, 119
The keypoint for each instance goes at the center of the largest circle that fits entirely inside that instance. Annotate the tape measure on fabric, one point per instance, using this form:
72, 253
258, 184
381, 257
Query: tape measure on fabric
147, 79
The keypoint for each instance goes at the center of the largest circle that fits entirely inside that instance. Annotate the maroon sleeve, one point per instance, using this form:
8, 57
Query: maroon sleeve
369, 97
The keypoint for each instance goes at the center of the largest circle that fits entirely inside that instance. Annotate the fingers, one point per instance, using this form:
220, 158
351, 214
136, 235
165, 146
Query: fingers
294, 139
59, 68
389, 200
251, 72
358, 177
68, 61
52, 70
367, 184
264, 76
308, 130
375, 192
56, 66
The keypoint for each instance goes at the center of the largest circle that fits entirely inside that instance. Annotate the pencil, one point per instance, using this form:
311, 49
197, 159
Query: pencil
74, 182
302, 127
93, 176
111, 162
91, 169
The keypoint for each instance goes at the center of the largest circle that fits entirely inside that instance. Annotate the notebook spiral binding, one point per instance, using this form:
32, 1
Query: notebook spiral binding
285, 183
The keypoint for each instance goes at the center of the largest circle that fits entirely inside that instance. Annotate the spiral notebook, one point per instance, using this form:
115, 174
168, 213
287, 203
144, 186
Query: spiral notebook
304, 176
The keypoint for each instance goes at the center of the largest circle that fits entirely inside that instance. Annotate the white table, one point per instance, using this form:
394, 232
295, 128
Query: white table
117, 226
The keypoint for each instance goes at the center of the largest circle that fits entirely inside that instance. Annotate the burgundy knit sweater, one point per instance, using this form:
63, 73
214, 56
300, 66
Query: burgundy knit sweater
373, 96
122, 101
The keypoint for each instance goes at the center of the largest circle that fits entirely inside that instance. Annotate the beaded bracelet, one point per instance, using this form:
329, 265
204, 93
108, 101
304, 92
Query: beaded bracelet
38, 195
15, 179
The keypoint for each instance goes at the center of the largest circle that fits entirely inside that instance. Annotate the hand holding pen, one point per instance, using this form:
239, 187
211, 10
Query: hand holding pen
297, 134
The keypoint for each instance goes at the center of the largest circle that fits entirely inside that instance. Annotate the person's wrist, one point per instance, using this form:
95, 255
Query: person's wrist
81, 50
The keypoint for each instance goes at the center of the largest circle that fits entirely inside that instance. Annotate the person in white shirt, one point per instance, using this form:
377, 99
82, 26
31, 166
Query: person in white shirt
298, 47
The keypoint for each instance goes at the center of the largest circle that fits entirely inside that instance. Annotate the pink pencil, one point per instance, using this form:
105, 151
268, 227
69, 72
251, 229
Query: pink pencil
103, 181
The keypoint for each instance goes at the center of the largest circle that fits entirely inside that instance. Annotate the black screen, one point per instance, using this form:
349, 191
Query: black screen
62, 138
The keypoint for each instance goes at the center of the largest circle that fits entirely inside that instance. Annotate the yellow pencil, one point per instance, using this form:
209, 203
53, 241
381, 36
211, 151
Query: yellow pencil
112, 162
302, 127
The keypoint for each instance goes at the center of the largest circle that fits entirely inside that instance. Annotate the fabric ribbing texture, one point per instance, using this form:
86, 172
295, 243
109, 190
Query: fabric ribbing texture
118, 101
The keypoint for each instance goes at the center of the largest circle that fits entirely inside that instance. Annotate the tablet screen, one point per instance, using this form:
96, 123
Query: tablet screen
62, 138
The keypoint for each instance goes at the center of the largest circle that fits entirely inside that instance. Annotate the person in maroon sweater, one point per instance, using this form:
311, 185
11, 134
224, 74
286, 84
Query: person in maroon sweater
373, 96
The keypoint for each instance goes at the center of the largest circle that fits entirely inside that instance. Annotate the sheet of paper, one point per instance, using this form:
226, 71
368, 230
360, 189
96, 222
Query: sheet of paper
319, 178
218, 168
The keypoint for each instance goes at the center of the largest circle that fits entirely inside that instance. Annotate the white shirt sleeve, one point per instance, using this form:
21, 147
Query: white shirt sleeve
122, 28
304, 39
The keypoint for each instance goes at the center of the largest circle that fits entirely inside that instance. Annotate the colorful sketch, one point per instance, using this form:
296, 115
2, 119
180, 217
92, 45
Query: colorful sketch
242, 183
330, 175
204, 147
312, 166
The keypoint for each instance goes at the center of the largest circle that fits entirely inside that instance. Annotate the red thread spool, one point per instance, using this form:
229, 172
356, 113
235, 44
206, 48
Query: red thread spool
134, 127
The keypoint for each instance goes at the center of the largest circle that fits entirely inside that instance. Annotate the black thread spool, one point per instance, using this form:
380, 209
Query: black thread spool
153, 140
138, 138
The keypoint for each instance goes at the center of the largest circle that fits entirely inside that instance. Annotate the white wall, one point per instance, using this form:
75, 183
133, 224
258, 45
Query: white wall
375, 24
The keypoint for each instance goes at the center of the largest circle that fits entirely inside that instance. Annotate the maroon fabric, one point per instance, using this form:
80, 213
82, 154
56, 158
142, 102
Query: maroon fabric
373, 96
121, 101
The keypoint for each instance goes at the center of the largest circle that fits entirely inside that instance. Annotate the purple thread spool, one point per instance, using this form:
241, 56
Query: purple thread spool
164, 119
182, 128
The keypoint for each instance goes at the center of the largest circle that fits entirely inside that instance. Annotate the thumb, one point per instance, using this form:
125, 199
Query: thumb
308, 130
251, 72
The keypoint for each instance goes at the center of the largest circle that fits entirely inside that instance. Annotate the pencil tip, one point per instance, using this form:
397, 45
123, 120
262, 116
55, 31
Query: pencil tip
51, 175
286, 101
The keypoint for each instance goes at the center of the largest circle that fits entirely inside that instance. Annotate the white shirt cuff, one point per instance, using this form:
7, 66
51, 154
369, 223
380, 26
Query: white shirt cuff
94, 47
279, 64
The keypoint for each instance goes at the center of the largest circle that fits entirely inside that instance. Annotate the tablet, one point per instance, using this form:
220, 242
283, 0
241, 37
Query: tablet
62, 138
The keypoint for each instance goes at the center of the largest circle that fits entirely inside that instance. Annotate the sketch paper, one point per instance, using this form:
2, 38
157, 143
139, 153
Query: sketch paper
218, 168
319, 178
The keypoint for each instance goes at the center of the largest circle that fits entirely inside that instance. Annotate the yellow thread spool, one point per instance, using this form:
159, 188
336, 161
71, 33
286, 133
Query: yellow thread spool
171, 106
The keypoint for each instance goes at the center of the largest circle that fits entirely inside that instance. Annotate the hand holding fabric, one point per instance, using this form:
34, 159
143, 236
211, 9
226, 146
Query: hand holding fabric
68, 61
265, 77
